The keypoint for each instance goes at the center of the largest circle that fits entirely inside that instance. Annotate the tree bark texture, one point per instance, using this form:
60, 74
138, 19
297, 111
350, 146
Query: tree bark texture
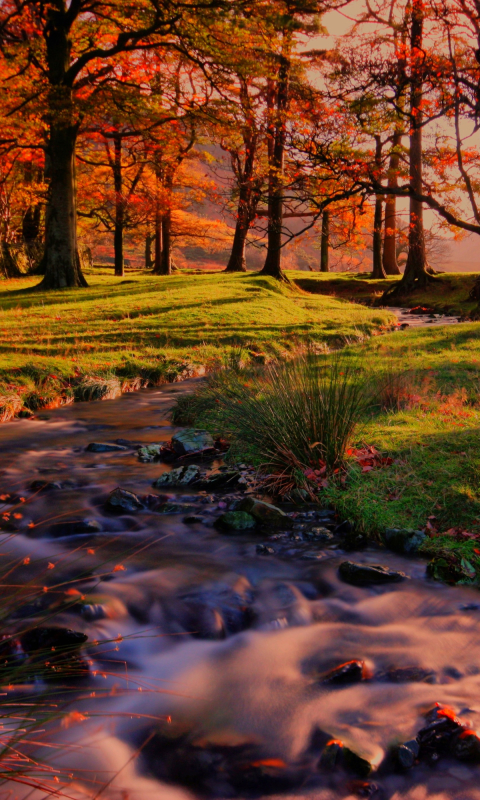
390, 264
119, 209
325, 241
278, 101
61, 261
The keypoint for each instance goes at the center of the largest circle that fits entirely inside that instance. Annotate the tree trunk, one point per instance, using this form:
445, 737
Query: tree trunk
325, 241
8, 264
378, 271
390, 264
237, 261
158, 239
278, 99
166, 262
148, 251
61, 259
416, 274
119, 209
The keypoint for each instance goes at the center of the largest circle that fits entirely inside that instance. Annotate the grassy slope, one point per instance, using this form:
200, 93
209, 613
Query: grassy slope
435, 442
146, 324
448, 292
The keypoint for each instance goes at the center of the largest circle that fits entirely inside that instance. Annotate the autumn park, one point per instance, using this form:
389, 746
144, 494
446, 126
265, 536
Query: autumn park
240, 399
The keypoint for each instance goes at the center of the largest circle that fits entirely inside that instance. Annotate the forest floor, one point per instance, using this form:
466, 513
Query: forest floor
121, 334
447, 294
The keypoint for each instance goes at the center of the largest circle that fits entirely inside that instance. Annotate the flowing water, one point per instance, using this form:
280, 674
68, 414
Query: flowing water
209, 685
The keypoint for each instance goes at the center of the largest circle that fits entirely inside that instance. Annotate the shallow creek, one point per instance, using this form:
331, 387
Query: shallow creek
221, 647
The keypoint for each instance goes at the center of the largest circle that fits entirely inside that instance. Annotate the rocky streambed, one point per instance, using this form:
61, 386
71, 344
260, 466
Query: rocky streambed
208, 645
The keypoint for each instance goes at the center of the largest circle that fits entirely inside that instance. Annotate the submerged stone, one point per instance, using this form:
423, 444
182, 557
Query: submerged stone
191, 441
235, 521
404, 540
121, 501
367, 575
105, 447
345, 674
407, 754
263, 512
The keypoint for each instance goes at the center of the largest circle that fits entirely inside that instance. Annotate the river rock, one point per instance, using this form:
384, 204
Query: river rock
367, 575
150, 452
345, 674
336, 755
105, 447
407, 675
264, 550
408, 753
45, 486
319, 535
191, 441
263, 512
122, 501
404, 540
181, 476
75, 527
236, 521
193, 519
228, 479
174, 508
45, 638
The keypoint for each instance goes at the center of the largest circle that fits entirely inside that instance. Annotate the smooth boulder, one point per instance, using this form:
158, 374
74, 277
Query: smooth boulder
368, 575
404, 540
105, 447
191, 441
235, 521
263, 512
150, 452
122, 501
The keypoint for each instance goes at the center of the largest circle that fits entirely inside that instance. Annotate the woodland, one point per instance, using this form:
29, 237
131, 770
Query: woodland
119, 120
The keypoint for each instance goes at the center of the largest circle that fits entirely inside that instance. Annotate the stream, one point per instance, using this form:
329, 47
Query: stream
211, 683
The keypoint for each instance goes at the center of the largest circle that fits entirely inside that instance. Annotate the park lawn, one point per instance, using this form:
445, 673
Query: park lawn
448, 293
145, 329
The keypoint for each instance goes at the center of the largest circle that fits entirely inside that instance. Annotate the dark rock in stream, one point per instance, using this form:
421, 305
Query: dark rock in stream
105, 447
404, 540
45, 638
408, 753
181, 476
191, 441
264, 550
235, 521
336, 755
75, 527
345, 674
263, 512
45, 486
227, 479
192, 519
54, 654
122, 501
446, 735
367, 575
407, 675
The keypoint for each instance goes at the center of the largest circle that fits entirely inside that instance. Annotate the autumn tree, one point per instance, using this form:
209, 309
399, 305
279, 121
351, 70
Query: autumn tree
59, 56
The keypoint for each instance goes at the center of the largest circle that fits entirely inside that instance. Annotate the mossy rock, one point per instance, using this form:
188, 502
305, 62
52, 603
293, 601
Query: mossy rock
236, 521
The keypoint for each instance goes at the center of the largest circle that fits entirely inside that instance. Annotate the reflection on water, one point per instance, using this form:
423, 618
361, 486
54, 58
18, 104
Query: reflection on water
215, 653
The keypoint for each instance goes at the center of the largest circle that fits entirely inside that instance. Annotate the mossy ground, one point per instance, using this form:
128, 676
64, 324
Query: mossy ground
158, 328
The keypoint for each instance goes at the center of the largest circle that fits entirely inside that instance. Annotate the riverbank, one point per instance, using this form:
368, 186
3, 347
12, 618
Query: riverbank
448, 294
428, 436
122, 335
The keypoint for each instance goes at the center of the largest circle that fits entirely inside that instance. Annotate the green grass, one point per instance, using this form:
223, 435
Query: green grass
449, 292
147, 330
433, 440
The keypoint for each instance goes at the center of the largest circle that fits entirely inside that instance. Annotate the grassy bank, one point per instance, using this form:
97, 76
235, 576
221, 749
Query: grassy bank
430, 433
448, 293
119, 335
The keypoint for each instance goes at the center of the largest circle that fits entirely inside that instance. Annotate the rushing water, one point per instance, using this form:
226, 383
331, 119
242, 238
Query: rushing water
220, 648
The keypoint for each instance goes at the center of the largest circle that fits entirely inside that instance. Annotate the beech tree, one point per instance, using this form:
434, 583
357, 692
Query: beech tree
62, 55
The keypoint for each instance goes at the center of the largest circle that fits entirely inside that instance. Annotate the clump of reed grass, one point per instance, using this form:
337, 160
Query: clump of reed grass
10, 405
300, 416
93, 387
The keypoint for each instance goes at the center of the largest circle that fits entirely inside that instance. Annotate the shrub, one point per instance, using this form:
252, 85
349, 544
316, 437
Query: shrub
10, 405
98, 388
